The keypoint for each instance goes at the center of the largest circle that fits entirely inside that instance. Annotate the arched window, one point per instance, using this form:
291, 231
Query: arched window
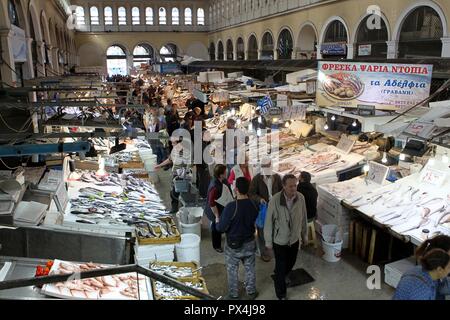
149, 16
285, 45
252, 48
240, 49
421, 34
267, 47
200, 17
79, 12
116, 60
188, 16
220, 53
371, 42
95, 20
108, 16
12, 12
162, 16
168, 53
230, 53
175, 16
122, 14
212, 51
336, 32
135, 16
335, 41
142, 54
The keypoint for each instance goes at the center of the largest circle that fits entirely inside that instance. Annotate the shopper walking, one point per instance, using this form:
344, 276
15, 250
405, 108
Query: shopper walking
217, 191
263, 186
285, 230
308, 191
238, 222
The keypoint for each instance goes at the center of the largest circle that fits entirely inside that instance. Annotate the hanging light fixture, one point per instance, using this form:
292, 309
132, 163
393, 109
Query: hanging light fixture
402, 157
326, 127
258, 132
287, 124
366, 168
333, 118
385, 158
355, 124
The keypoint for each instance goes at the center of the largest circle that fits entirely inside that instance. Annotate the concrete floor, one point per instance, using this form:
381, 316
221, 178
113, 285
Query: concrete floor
344, 280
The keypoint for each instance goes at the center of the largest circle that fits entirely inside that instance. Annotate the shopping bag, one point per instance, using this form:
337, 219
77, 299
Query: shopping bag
262, 216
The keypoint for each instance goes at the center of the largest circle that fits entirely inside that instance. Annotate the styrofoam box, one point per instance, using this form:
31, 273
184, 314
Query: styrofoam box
145, 262
150, 251
330, 216
393, 272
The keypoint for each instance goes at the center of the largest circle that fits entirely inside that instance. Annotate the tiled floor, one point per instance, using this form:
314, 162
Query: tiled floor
344, 280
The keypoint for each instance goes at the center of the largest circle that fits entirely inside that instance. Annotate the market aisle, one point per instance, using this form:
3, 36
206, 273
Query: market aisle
345, 280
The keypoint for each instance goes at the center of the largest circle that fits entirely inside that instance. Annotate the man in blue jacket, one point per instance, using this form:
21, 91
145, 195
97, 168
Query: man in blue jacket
238, 222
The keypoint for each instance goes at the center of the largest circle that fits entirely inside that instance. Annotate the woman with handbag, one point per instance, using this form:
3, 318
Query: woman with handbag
219, 195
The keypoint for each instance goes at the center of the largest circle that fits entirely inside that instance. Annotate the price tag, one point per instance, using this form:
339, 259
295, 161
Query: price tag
377, 172
345, 144
433, 176
62, 197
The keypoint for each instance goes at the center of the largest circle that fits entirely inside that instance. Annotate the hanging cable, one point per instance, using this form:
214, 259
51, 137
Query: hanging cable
12, 129
9, 66
7, 167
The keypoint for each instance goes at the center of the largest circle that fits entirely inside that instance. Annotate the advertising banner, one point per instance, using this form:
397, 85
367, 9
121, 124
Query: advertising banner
385, 86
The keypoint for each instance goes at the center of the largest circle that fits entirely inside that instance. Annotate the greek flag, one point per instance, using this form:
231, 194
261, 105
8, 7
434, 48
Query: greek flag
266, 104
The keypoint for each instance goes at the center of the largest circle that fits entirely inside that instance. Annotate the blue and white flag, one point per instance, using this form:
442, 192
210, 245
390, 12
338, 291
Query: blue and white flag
265, 104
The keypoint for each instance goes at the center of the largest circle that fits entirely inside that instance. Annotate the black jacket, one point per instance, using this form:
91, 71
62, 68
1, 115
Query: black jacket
311, 195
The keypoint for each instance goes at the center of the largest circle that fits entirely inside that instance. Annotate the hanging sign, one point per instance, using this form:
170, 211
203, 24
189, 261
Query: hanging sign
386, 86
334, 49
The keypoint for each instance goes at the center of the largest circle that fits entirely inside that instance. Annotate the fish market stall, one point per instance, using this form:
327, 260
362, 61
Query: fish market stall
38, 279
322, 161
414, 208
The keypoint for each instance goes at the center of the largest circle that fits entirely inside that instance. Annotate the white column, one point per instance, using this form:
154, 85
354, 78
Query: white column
28, 65
392, 51
275, 54
235, 52
245, 54
8, 75
55, 62
294, 54
318, 53
350, 50
41, 58
445, 47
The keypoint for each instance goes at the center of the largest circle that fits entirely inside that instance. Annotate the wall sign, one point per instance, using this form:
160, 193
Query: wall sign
365, 50
386, 86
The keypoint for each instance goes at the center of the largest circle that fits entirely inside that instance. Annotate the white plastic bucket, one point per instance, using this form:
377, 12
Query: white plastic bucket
332, 251
195, 228
188, 250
